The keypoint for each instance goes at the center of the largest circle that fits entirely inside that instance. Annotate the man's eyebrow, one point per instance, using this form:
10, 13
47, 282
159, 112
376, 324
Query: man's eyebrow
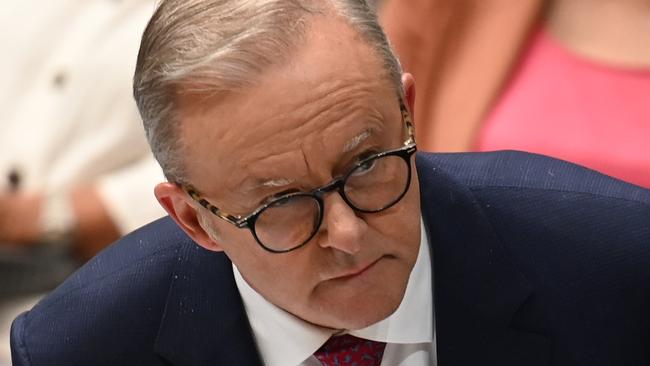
278, 182
257, 184
356, 140
283, 182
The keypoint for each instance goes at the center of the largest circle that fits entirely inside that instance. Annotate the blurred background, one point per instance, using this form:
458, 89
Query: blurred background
566, 78
75, 168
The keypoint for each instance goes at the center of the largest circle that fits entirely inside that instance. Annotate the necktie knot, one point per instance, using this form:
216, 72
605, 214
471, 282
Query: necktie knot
350, 350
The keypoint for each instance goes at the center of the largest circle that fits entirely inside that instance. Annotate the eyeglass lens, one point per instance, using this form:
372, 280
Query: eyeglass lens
372, 186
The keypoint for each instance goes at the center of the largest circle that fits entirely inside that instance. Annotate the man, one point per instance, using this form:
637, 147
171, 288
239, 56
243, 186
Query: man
284, 130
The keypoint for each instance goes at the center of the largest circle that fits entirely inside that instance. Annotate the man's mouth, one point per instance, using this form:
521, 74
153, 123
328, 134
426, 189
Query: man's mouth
357, 271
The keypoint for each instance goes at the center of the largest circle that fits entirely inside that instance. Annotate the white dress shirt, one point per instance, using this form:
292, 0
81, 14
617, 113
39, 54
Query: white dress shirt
67, 114
285, 340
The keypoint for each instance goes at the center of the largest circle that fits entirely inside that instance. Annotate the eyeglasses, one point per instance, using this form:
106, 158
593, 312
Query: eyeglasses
290, 221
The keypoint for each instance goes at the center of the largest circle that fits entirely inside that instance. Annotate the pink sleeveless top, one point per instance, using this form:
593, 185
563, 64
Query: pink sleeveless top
562, 105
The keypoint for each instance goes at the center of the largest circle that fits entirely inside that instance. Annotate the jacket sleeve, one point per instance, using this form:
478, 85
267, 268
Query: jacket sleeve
19, 353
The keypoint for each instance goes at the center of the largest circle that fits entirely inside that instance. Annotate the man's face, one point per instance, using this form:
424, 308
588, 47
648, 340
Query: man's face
303, 125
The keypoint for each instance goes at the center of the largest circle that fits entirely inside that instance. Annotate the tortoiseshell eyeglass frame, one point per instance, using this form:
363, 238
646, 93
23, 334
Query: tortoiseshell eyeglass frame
248, 221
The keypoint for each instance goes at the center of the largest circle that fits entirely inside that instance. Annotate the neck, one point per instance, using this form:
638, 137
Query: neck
611, 31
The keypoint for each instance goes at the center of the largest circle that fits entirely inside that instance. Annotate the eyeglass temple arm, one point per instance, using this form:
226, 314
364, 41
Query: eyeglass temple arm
196, 196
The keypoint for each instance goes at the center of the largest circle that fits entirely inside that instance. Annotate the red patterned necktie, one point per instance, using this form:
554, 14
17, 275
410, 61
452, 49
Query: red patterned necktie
347, 350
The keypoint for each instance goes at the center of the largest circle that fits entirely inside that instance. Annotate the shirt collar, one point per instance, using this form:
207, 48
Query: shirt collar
412, 322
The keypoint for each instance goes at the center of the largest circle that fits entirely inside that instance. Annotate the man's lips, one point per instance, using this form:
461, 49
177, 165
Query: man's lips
356, 271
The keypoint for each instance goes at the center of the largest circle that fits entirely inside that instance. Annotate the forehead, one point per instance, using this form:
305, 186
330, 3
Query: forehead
332, 94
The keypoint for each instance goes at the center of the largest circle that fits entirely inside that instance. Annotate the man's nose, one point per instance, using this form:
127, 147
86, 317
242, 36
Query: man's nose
341, 229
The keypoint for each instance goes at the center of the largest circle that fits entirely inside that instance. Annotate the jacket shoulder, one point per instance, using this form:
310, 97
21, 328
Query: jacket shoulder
111, 306
578, 240
522, 170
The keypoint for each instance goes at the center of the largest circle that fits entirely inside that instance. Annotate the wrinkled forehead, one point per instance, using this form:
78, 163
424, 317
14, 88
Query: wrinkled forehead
333, 93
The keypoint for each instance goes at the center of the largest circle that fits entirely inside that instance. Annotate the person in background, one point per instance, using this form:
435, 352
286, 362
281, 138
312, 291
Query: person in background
75, 169
565, 78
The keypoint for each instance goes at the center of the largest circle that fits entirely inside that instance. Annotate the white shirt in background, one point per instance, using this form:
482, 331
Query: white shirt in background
67, 115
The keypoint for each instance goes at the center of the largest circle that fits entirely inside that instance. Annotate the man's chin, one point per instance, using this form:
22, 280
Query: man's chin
360, 311
358, 300
354, 316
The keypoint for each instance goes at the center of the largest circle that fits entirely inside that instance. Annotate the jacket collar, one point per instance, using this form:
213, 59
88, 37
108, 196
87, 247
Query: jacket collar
477, 287
204, 322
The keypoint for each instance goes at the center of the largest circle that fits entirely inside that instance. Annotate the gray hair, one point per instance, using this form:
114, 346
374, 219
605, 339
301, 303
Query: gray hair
210, 47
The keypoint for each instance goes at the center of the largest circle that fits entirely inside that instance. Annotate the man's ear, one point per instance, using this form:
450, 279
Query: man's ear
408, 84
182, 209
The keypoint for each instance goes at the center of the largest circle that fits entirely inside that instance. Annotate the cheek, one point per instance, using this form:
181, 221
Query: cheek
289, 273
410, 209
399, 231
277, 277
413, 215
402, 221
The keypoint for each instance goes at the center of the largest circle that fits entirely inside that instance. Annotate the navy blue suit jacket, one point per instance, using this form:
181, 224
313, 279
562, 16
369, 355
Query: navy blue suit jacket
536, 262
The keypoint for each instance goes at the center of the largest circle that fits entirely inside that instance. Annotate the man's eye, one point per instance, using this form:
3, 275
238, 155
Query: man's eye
365, 167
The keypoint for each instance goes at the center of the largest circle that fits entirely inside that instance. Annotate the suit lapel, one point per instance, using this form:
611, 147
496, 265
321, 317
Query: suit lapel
478, 289
204, 322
